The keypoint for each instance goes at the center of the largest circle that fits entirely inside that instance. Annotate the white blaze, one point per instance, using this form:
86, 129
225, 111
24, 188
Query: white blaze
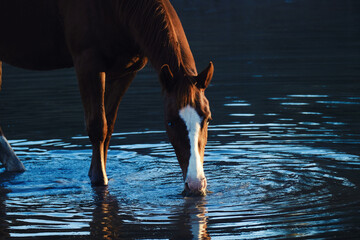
192, 121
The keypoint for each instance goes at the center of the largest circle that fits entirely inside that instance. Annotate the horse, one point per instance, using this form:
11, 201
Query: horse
108, 42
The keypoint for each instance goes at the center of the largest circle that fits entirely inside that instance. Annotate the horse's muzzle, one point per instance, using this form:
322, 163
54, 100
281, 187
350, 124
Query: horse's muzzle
195, 188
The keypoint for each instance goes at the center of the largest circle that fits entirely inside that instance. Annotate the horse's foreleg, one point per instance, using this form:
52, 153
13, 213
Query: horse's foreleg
92, 89
115, 88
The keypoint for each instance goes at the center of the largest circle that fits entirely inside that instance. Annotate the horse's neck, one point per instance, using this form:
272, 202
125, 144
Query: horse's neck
157, 29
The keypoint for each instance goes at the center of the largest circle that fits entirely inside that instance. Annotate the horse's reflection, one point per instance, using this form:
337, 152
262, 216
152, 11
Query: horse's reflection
4, 225
192, 220
106, 223
188, 222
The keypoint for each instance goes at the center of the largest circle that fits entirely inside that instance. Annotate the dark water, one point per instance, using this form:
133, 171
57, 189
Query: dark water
283, 154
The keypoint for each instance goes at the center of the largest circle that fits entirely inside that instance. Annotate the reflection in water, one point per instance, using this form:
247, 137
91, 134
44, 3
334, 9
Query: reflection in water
111, 222
191, 220
198, 219
268, 179
4, 225
106, 223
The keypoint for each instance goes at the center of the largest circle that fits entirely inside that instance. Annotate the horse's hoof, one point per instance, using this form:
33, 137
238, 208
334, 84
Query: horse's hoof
8, 156
15, 166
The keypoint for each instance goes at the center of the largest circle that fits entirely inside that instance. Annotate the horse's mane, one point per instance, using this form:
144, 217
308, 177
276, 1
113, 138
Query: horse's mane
157, 29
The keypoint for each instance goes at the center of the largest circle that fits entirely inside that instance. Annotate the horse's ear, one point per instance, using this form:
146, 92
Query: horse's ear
204, 78
166, 78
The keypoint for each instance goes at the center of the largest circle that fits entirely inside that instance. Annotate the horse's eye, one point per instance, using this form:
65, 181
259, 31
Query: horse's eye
174, 122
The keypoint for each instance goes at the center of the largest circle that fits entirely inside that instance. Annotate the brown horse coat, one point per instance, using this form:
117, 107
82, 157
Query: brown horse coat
107, 41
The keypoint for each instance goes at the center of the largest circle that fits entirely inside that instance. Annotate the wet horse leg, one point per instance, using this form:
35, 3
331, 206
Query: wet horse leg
115, 88
7, 154
92, 89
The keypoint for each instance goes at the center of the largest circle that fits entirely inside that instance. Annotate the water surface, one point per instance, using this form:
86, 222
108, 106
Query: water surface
283, 154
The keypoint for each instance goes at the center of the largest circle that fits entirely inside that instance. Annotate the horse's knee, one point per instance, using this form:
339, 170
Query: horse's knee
97, 129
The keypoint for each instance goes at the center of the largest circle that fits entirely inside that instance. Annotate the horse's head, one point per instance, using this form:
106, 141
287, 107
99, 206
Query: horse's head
187, 115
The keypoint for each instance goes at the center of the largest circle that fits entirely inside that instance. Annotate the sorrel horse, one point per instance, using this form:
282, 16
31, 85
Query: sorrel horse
108, 42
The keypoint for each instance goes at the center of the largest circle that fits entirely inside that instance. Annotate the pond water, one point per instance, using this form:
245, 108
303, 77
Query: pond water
283, 154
